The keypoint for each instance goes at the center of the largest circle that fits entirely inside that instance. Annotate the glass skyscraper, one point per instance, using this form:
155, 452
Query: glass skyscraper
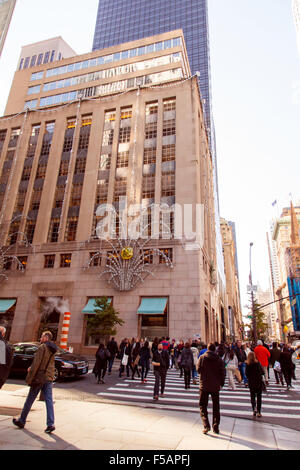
120, 21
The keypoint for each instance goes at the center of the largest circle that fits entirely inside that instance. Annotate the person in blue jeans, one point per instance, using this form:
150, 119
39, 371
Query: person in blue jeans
43, 361
242, 357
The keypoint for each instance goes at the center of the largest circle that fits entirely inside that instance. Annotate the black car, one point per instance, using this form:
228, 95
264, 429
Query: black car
66, 364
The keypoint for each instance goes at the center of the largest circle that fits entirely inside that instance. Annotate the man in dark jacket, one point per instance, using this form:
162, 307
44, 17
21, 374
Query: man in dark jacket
6, 357
275, 355
211, 370
112, 347
161, 362
43, 361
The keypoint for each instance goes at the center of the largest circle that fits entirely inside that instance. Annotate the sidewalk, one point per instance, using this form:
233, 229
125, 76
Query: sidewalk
82, 425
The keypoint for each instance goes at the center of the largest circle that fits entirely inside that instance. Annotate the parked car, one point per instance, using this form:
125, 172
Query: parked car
66, 364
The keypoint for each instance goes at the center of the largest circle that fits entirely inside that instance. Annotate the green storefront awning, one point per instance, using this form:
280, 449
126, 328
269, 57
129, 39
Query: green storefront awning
91, 306
152, 306
6, 304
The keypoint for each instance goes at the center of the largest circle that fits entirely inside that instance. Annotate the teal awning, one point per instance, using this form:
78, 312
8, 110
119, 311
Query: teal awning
6, 304
91, 307
152, 306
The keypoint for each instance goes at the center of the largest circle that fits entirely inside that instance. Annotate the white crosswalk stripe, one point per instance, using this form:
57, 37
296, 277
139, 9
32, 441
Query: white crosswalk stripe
277, 402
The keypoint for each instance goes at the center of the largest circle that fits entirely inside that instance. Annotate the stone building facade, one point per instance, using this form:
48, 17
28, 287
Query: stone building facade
135, 134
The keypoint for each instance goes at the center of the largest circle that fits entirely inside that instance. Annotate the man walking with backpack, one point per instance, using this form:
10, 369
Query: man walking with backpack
211, 370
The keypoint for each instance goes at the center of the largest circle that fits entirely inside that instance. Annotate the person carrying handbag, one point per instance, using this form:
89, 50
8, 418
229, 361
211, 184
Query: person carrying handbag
231, 364
40, 377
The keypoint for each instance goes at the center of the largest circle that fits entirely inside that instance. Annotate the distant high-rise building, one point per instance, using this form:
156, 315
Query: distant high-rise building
6, 11
121, 21
296, 13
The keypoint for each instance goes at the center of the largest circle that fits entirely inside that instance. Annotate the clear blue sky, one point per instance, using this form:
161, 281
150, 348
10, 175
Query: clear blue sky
255, 66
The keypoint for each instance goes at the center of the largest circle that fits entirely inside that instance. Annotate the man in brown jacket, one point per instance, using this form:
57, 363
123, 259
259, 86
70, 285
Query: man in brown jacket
43, 361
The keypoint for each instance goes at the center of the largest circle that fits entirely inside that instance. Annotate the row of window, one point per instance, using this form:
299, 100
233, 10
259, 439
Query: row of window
106, 89
102, 60
107, 73
38, 59
96, 259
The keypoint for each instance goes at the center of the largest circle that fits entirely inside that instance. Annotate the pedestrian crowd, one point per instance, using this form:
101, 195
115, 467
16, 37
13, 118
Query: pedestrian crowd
209, 364
206, 364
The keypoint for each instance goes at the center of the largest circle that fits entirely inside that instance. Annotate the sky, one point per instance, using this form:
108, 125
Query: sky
255, 71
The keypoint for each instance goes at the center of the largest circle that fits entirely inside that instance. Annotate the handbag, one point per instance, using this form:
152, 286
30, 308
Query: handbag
125, 360
136, 362
238, 375
277, 366
40, 377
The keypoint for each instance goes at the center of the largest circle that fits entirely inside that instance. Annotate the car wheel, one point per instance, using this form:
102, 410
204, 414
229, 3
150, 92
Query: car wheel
56, 374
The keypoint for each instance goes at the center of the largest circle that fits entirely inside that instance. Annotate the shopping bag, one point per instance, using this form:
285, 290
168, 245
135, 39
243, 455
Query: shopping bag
238, 375
277, 366
125, 360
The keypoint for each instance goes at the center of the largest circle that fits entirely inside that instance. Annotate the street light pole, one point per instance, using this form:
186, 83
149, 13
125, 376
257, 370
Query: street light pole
254, 329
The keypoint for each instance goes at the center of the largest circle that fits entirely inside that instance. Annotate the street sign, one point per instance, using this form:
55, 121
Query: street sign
251, 288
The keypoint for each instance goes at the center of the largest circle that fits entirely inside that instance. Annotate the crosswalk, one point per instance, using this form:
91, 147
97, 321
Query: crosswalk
277, 402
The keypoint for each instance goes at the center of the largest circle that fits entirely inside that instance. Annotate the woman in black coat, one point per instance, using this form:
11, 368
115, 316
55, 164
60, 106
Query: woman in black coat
100, 368
254, 374
187, 363
135, 357
125, 350
145, 361
287, 366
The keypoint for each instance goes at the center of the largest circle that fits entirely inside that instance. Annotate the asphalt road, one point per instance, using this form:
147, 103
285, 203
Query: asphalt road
279, 407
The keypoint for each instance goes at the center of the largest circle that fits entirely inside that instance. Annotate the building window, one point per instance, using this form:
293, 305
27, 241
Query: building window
169, 104
148, 257
168, 153
149, 155
65, 260
120, 188
95, 259
169, 127
165, 252
148, 191
53, 231
168, 185
46, 57
126, 113
80, 166
105, 161
23, 263
123, 159
30, 229
76, 195
40, 59
124, 135
36, 200
110, 116
102, 192
26, 174
49, 261
151, 130
151, 108
108, 137
70, 235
